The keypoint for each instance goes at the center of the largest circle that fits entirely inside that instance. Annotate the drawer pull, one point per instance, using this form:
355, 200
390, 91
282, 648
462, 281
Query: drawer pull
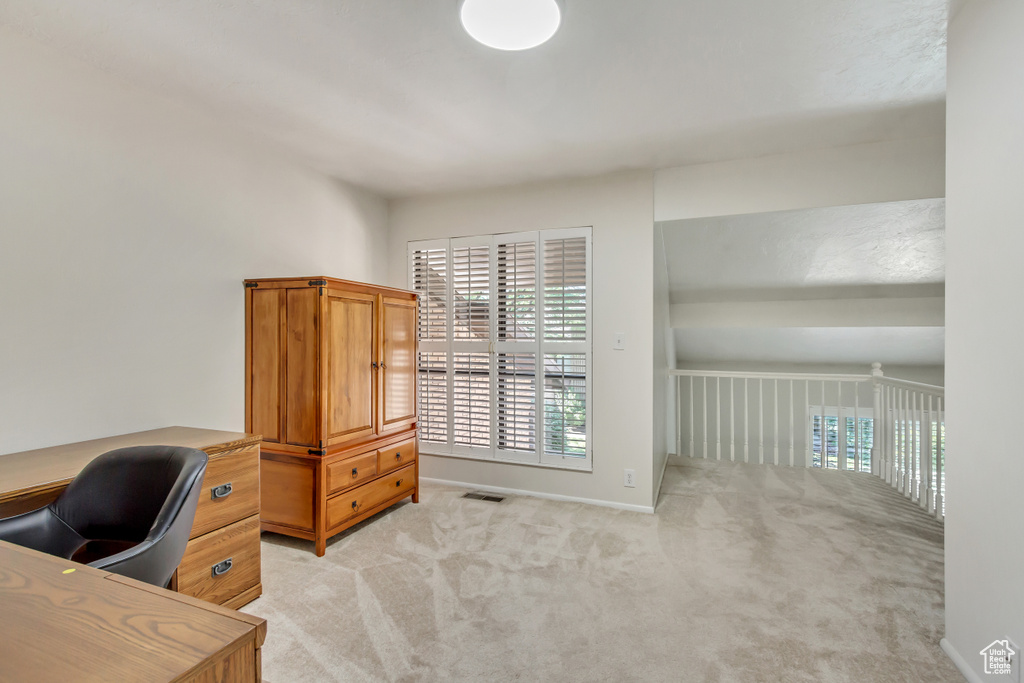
355, 505
221, 568
355, 472
398, 455
398, 483
222, 491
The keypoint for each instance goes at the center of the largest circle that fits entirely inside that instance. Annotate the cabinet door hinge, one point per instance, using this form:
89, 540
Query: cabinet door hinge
314, 283
252, 285
315, 451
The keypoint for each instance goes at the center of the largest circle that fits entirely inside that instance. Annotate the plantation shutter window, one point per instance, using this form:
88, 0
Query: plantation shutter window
504, 338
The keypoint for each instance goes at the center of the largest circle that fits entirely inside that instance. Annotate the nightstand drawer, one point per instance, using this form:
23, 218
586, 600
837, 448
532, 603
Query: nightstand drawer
368, 496
351, 471
396, 456
222, 563
231, 490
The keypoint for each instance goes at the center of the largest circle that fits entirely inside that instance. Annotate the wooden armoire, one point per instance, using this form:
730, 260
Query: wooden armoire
331, 387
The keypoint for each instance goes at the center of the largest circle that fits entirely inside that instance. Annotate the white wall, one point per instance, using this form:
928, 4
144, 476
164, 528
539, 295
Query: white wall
858, 174
127, 224
984, 364
664, 359
620, 210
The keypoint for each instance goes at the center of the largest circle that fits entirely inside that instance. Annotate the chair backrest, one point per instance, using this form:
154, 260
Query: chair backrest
145, 495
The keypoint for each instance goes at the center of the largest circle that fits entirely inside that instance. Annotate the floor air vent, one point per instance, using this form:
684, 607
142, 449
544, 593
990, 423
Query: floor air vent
489, 497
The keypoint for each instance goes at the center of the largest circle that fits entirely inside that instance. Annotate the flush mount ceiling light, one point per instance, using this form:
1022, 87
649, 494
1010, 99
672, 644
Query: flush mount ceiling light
511, 24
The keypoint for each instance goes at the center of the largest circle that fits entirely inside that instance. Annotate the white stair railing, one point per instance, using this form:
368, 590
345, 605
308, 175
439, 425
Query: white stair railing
911, 455
868, 423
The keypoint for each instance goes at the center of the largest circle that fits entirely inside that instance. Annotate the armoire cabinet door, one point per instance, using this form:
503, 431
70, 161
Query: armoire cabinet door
350, 340
398, 364
265, 338
300, 360
282, 351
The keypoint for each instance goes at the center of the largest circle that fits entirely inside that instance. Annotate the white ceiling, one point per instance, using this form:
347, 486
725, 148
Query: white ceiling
826, 345
866, 251
857, 248
392, 95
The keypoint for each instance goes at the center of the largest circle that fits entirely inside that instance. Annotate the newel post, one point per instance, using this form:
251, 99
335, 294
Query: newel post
878, 466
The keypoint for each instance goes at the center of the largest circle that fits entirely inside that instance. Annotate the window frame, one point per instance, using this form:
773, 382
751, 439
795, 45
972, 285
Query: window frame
538, 347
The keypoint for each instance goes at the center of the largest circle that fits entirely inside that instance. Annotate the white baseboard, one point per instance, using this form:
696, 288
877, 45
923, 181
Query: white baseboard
649, 509
960, 662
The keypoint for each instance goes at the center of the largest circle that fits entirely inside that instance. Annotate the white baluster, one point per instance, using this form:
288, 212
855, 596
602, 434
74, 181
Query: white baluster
776, 385
792, 426
718, 418
760, 421
732, 419
926, 462
899, 440
858, 463
841, 461
810, 437
878, 462
922, 487
940, 465
691, 416
824, 431
679, 415
892, 438
907, 460
746, 420
705, 413
882, 435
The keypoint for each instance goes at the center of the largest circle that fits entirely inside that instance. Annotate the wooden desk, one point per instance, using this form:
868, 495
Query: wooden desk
225, 527
89, 625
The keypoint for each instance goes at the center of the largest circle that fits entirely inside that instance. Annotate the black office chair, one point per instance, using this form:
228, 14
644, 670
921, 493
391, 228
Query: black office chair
129, 511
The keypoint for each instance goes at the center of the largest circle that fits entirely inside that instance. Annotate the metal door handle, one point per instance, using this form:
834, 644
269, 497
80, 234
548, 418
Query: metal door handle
222, 491
221, 568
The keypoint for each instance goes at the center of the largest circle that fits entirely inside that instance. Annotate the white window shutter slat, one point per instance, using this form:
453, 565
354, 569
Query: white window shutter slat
505, 346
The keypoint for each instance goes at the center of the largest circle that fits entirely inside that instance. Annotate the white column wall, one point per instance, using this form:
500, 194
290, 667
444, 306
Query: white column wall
984, 363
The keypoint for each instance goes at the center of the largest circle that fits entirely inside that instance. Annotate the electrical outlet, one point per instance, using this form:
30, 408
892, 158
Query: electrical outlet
620, 341
630, 479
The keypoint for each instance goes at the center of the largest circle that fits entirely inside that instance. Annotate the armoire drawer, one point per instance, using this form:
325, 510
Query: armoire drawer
351, 471
231, 489
363, 498
397, 455
222, 563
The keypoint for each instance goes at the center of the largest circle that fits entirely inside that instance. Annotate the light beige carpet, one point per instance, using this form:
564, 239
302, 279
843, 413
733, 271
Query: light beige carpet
745, 573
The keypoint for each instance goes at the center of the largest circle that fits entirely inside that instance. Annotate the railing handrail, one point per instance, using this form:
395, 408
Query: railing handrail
812, 376
816, 377
921, 386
